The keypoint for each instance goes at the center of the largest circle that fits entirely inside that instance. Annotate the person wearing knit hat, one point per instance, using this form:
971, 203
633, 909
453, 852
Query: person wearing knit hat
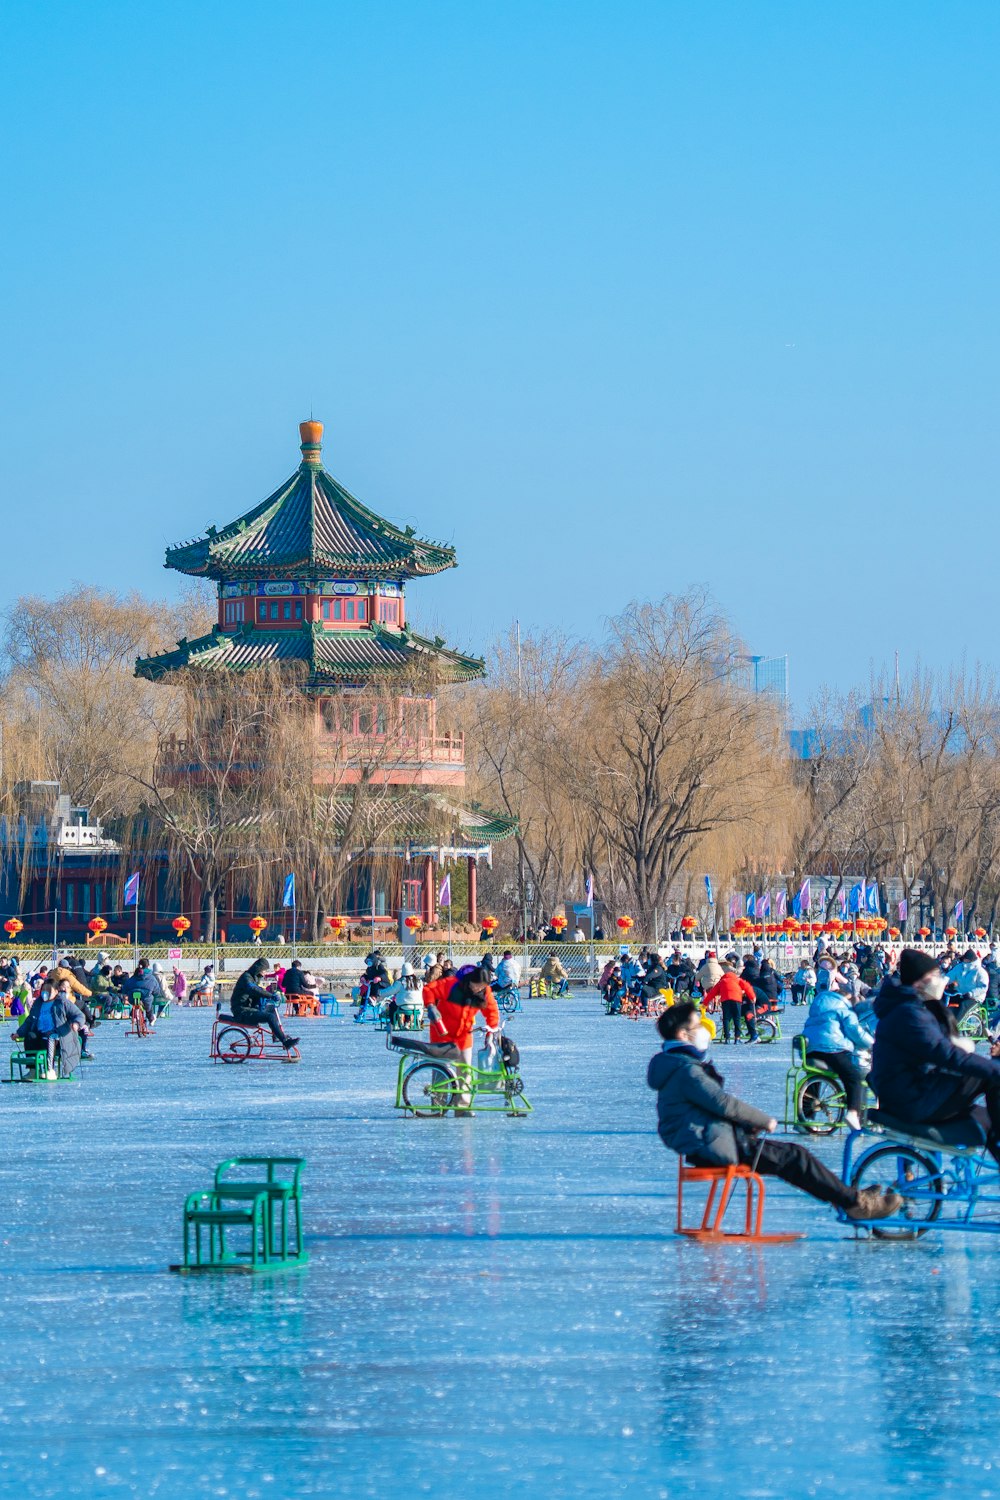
920, 1069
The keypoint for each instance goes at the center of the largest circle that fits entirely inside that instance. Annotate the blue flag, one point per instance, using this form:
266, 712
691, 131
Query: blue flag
959, 911
708, 890
856, 899
751, 905
765, 906
871, 898
288, 898
132, 890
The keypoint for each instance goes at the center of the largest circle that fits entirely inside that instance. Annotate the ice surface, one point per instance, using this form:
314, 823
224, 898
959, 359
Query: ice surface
492, 1307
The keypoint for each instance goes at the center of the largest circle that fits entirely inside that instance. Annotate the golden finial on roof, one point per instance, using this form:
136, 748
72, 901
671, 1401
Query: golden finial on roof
311, 435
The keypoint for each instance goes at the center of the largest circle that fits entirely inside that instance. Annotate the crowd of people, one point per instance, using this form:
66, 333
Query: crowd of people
876, 1019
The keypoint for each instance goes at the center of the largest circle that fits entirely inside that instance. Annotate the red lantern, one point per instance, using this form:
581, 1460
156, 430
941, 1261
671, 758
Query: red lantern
97, 925
180, 925
12, 927
412, 922
894, 932
980, 932
923, 932
257, 925
951, 932
625, 924
490, 925
558, 924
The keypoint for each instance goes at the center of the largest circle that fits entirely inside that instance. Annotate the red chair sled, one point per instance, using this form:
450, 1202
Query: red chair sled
138, 1025
235, 1042
722, 1181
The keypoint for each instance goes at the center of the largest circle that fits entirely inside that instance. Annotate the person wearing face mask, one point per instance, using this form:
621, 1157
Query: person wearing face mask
700, 1121
921, 1070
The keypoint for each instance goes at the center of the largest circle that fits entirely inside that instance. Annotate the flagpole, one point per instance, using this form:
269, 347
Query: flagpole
137, 929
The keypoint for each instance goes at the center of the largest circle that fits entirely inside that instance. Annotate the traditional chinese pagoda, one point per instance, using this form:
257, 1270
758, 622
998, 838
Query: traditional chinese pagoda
312, 577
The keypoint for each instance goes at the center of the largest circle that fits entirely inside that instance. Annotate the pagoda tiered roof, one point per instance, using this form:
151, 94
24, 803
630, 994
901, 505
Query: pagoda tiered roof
310, 527
332, 659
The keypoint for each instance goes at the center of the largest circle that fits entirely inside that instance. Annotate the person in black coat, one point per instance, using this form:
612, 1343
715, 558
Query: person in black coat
680, 973
920, 1071
294, 981
767, 983
699, 1120
748, 1008
376, 975
252, 1005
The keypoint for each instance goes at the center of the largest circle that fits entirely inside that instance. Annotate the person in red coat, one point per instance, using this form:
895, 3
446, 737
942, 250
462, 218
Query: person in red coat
452, 1004
732, 991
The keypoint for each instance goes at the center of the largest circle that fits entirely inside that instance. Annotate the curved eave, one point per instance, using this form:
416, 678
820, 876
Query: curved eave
313, 569
233, 651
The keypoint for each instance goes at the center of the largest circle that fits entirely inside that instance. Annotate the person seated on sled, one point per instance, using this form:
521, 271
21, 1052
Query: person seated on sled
837, 1041
555, 976
452, 1005
145, 984
922, 1071
54, 1018
204, 987
376, 975
614, 992
654, 980
968, 984
403, 995
252, 1005
508, 971
710, 1128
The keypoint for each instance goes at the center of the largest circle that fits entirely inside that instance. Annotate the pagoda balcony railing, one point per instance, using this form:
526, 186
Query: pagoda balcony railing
443, 749
177, 755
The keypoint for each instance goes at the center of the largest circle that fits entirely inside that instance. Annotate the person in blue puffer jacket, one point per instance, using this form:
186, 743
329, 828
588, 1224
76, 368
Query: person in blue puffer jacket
968, 983
834, 1036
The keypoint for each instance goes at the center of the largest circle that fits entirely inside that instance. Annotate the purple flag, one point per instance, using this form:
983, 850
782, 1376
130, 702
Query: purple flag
805, 898
765, 906
959, 911
132, 890
780, 905
842, 901
734, 909
444, 894
903, 909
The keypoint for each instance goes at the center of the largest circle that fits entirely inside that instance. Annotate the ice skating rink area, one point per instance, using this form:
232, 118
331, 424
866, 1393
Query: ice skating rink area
492, 1306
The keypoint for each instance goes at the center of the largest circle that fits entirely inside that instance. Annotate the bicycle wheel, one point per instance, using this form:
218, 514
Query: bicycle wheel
507, 1004
430, 1088
766, 1029
973, 1025
916, 1178
820, 1105
233, 1045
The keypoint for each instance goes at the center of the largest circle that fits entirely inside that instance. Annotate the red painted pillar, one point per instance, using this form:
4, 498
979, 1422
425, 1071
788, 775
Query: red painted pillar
473, 892
430, 903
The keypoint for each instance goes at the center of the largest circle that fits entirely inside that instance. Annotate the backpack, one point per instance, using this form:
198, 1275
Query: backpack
509, 1053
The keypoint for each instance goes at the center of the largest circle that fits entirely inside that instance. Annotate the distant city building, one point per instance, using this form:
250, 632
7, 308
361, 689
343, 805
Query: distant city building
763, 674
804, 744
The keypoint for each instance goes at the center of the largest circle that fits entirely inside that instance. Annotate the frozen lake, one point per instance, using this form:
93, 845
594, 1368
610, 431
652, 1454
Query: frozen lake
492, 1305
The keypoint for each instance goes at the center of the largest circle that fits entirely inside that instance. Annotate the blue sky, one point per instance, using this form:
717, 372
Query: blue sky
617, 297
